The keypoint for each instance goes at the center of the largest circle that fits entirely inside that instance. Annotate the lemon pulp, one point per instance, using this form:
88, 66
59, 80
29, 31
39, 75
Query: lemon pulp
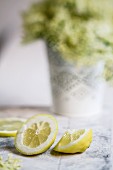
9, 126
36, 134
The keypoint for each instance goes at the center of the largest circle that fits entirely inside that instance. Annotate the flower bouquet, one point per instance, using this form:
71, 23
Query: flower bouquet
79, 39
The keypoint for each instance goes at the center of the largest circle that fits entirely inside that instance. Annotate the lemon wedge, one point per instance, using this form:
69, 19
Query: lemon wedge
36, 135
74, 141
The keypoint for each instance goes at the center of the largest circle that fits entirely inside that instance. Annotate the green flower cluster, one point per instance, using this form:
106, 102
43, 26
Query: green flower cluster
10, 164
79, 30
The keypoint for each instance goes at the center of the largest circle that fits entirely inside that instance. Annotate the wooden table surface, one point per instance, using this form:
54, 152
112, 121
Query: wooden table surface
97, 157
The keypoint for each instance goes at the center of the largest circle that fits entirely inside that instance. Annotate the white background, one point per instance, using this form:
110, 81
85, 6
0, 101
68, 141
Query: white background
24, 76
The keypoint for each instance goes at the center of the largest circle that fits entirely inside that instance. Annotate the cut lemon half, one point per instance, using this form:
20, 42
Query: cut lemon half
37, 134
9, 126
74, 141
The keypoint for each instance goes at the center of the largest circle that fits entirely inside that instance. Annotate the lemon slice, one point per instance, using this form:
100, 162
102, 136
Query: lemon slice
9, 126
74, 141
37, 134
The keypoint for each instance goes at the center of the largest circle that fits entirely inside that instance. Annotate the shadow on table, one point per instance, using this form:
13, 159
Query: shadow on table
58, 154
7, 144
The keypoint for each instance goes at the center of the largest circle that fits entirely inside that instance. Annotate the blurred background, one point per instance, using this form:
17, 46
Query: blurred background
24, 78
24, 71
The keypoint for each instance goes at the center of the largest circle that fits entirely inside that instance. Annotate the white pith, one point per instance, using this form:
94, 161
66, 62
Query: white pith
7, 132
20, 136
